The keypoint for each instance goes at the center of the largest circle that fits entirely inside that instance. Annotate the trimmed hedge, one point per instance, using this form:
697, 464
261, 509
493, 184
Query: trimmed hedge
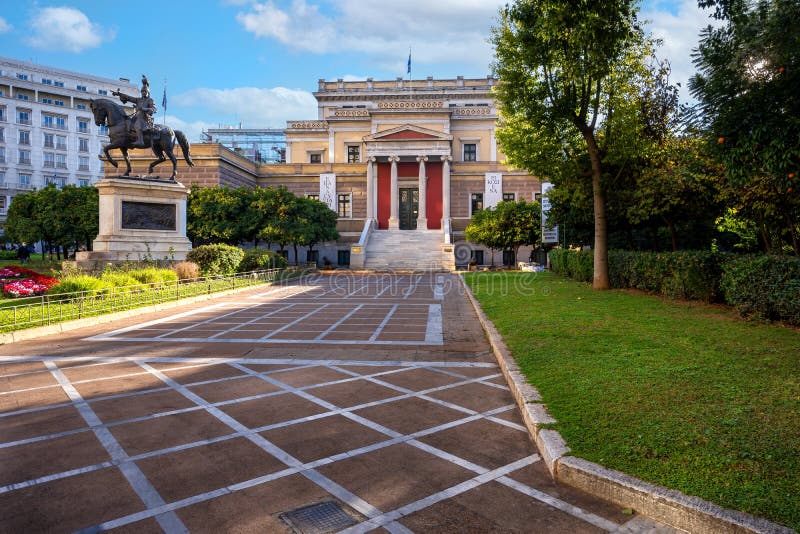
765, 287
257, 259
216, 259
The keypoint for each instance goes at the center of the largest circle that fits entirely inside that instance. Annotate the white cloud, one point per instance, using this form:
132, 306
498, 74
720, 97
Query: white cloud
680, 34
4, 26
65, 28
192, 130
254, 107
452, 32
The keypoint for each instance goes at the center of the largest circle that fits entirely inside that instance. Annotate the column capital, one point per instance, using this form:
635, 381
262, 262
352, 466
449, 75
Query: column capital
447, 158
422, 158
394, 159
371, 159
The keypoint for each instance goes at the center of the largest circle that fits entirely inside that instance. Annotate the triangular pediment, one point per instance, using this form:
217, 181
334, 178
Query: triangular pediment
408, 132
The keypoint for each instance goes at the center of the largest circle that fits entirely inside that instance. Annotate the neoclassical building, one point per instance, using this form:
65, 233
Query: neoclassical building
404, 163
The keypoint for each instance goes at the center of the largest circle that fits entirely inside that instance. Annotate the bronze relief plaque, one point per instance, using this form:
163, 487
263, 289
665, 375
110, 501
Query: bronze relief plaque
148, 216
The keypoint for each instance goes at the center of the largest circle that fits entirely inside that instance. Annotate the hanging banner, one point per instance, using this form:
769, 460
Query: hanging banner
494, 189
327, 189
549, 235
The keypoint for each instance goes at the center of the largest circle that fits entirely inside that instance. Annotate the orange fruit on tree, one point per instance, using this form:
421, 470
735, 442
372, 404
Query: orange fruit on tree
791, 176
721, 140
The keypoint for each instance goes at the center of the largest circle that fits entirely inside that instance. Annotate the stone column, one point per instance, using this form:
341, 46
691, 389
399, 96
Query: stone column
394, 210
422, 216
446, 187
370, 187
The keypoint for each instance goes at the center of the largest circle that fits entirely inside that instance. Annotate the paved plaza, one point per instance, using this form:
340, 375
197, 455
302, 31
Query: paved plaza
355, 403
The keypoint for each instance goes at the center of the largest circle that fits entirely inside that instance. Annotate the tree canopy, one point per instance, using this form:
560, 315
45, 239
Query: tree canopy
507, 226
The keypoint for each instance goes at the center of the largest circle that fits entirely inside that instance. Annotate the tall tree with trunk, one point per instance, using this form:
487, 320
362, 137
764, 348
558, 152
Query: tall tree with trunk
564, 70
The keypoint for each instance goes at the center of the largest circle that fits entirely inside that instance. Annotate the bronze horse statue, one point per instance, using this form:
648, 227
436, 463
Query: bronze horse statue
161, 139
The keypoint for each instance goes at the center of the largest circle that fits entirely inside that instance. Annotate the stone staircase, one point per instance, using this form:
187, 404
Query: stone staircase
415, 250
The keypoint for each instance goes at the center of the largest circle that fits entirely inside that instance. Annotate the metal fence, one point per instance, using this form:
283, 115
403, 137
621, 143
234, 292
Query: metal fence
50, 309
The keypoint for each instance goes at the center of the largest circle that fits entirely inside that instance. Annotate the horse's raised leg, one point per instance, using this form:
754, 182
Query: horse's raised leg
108, 156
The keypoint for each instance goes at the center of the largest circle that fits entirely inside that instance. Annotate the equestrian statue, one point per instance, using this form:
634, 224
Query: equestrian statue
138, 130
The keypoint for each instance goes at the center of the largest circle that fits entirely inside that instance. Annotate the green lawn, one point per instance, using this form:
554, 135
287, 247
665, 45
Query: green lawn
685, 395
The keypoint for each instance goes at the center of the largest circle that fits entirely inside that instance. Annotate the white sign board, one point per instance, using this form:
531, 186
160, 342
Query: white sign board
327, 189
549, 235
494, 189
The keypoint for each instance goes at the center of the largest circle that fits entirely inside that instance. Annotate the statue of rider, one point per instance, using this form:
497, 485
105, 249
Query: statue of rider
143, 116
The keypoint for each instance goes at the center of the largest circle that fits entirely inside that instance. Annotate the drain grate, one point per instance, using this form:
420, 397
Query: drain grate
319, 518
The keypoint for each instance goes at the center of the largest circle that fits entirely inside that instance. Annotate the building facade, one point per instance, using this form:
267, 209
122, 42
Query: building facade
47, 132
404, 164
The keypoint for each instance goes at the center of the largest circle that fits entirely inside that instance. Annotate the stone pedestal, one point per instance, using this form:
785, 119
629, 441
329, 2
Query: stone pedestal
140, 219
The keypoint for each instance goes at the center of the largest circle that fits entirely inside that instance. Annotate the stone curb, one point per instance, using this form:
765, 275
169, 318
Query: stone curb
39, 331
672, 507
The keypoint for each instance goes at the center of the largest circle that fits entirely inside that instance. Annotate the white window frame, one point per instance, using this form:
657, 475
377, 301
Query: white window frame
347, 152
510, 193
349, 205
471, 141
315, 152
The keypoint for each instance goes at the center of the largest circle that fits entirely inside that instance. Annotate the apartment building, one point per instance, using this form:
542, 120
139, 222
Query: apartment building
47, 132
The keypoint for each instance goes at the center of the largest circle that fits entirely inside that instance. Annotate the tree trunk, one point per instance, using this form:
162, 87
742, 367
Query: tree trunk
600, 279
673, 235
296, 257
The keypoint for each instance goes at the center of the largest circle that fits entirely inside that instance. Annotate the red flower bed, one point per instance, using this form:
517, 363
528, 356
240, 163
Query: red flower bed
21, 282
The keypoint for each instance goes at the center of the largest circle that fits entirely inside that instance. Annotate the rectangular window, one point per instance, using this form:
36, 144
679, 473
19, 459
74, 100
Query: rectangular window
344, 206
2, 177
61, 161
49, 140
2, 200
23, 117
103, 130
343, 257
509, 258
80, 87
83, 145
48, 121
46, 100
83, 163
24, 157
83, 182
58, 84
2, 113
46, 81
60, 103
61, 142
24, 137
2, 134
509, 197
476, 203
49, 160
22, 96
61, 123
315, 158
477, 255
353, 154
102, 92
80, 106
313, 196
22, 77
83, 126
470, 152
2, 155
25, 180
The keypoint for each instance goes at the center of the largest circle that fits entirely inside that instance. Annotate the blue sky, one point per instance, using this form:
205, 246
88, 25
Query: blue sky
257, 62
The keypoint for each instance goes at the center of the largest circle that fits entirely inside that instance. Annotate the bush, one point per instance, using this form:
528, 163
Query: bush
257, 260
765, 287
8, 255
85, 284
575, 264
121, 280
187, 270
216, 259
153, 276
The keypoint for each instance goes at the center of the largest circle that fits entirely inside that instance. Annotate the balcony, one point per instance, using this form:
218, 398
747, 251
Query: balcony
26, 122
25, 161
49, 144
61, 165
83, 167
61, 146
49, 164
23, 186
24, 141
83, 129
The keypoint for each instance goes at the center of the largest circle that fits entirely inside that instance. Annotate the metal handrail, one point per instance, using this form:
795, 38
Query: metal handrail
49, 309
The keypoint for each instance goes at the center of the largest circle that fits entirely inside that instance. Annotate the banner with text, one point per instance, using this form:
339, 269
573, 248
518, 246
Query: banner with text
494, 189
327, 189
549, 235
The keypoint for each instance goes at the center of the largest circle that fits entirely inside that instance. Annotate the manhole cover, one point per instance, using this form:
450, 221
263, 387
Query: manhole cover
319, 518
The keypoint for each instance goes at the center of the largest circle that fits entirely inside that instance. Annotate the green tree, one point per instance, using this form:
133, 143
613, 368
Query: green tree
747, 80
566, 70
317, 223
484, 229
22, 224
519, 223
218, 214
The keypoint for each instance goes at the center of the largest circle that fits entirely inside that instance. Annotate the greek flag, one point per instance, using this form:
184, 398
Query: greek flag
408, 68
164, 99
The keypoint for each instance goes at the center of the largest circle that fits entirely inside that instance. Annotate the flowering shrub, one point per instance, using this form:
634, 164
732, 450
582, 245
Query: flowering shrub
22, 282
